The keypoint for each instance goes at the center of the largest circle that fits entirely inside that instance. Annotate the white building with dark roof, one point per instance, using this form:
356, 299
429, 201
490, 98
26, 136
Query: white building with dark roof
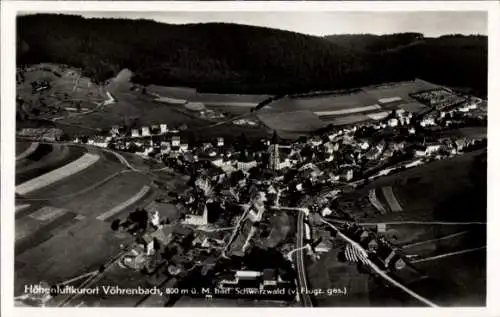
145, 131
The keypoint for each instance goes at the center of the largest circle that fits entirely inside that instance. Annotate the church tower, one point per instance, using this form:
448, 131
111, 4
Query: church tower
274, 155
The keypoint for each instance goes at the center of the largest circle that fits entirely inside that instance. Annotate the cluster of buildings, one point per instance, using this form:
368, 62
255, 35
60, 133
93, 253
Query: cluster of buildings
377, 248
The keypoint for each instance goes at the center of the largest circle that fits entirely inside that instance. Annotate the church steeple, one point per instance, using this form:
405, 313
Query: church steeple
274, 140
273, 150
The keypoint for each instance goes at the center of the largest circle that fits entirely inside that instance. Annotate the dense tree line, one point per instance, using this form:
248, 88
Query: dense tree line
236, 58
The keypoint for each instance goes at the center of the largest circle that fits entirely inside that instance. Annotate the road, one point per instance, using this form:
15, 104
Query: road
299, 263
377, 270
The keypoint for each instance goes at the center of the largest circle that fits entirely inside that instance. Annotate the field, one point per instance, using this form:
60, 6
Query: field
106, 197
400, 89
45, 158
391, 199
330, 102
296, 121
58, 174
345, 120
364, 104
87, 180
52, 225
424, 193
346, 111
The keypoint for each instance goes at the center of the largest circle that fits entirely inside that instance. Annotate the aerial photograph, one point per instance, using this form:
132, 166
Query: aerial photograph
251, 159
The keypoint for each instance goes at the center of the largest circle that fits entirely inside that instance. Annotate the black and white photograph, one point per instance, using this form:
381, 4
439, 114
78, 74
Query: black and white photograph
322, 158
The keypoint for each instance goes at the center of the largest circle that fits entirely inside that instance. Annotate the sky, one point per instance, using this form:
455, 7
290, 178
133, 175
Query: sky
432, 24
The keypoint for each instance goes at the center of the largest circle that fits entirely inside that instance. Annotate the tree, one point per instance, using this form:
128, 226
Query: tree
115, 225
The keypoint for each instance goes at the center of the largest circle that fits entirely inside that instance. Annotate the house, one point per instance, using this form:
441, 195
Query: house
364, 145
164, 147
393, 122
198, 218
147, 242
272, 190
176, 140
145, 131
460, 144
220, 141
163, 128
115, 130
326, 212
429, 121
349, 174
381, 228
211, 153
206, 145
183, 147
155, 129
322, 247
247, 275
154, 219
135, 133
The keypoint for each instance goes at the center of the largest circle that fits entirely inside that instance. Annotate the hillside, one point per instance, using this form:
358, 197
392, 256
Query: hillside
217, 57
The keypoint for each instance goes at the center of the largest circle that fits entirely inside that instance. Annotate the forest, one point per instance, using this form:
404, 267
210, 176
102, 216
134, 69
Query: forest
233, 58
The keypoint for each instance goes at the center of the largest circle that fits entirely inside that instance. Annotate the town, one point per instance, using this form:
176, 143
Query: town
243, 195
